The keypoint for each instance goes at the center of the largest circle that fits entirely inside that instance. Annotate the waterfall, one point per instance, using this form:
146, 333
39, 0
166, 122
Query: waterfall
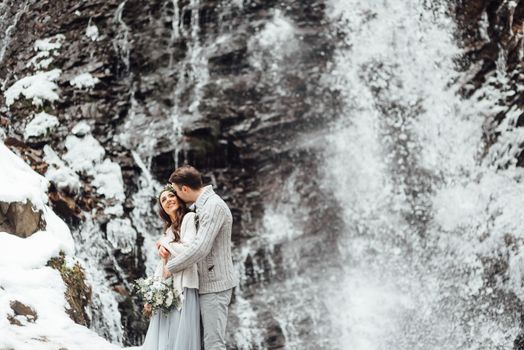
192, 72
121, 42
405, 163
8, 23
9, 16
91, 250
149, 225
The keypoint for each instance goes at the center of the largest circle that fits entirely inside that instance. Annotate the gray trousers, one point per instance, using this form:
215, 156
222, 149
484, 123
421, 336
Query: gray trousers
213, 312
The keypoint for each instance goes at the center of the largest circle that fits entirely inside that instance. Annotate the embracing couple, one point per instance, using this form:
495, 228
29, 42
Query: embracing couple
195, 251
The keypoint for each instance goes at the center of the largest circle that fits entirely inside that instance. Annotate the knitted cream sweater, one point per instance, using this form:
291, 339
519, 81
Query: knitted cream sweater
211, 248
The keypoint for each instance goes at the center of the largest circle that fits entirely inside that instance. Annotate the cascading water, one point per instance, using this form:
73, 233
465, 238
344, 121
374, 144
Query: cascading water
405, 162
8, 21
121, 42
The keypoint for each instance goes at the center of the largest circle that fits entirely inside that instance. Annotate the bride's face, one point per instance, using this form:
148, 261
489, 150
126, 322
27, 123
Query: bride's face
169, 202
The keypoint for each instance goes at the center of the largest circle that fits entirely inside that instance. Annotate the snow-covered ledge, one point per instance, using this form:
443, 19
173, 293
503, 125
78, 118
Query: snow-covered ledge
32, 293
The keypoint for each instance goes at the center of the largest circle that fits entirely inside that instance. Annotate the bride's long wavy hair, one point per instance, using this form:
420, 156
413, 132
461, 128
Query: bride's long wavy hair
179, 214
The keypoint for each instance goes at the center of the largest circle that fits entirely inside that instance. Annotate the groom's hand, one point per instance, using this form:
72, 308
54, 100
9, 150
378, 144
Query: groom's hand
163, 252
147, 310
166, 272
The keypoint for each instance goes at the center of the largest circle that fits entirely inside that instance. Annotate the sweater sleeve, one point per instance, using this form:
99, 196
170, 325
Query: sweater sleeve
159, 269
211, 219
187, 233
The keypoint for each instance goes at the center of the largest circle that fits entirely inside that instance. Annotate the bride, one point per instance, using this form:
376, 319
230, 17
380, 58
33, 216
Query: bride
178, 329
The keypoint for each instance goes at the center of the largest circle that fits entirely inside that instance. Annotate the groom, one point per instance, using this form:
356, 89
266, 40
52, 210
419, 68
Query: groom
211, 250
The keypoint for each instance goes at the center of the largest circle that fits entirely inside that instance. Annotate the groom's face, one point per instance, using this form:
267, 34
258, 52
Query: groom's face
182, 192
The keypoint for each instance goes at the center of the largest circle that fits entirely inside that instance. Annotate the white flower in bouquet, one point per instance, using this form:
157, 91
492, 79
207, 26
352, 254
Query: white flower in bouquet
159, 299
169, 299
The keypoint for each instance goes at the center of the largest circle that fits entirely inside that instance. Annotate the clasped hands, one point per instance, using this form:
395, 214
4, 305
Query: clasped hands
164, 254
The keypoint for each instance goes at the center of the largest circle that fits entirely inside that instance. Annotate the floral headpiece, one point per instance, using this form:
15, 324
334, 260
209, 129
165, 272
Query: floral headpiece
169, 188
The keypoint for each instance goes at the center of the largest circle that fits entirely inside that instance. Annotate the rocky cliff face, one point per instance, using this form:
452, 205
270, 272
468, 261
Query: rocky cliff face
228, 87
246, 91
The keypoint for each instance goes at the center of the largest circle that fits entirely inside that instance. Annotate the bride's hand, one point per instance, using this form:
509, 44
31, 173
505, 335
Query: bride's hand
147, 309
163, 252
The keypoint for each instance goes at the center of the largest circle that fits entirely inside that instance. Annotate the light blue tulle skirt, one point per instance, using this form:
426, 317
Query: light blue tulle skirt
176, 330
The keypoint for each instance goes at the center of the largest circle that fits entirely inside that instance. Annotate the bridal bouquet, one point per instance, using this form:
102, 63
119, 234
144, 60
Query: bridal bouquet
158, 293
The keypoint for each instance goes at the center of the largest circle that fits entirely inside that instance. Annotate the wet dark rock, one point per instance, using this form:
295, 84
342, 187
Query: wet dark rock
274, 338
20, 219
21, 309
66, 208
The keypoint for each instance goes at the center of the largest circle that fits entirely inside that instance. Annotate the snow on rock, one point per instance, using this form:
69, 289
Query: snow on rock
38, 87
39, 247
121, 234
59, 173
108, 180
92, 31
24, 276
86, 155
41, 60
41, 125
43, 290
48, 44
18, 184
81, 129
83, 152
84, 80
47, 48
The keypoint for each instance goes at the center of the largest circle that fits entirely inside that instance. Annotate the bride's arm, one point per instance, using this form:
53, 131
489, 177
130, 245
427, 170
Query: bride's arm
187, 234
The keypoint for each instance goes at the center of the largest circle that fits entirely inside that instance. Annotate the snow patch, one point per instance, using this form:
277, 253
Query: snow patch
59, 173
41, 60
92, 31
19, 182
86, 155
38, 87
108, 180
81, 129
41, 125
84, 80
43, 290
48, 44
47, 48
83, 153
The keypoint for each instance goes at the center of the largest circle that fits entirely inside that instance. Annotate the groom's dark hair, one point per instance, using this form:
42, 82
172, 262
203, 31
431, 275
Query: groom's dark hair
188, 176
